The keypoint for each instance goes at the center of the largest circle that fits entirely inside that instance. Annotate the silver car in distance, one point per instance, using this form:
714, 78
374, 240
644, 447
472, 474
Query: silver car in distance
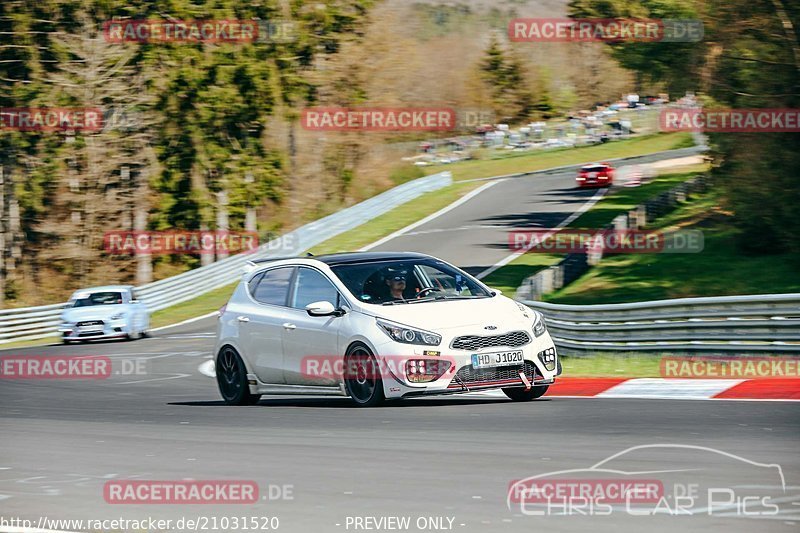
108, 312
376, 326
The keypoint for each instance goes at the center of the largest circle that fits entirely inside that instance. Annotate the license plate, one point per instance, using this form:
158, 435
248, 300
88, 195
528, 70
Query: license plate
91, 329
488, 360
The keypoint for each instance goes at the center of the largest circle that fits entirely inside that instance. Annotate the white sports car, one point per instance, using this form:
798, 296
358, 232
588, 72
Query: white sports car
108, 312
376, 326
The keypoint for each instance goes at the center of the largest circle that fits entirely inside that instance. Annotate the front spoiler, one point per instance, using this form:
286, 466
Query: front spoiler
479, 386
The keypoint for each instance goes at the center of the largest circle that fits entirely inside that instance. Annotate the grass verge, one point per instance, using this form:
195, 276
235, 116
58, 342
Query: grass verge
720, 269
210, 301
612, 365
395, 219
513, 162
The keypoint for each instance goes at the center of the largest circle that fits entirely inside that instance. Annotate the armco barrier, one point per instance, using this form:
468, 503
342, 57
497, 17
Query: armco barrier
33, 323
765, 323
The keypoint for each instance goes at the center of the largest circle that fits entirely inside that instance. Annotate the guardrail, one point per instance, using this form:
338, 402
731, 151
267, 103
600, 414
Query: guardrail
34, 323
765, 323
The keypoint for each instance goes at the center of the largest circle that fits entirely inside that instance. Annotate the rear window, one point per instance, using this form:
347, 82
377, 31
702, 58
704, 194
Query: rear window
595, 168
272, 287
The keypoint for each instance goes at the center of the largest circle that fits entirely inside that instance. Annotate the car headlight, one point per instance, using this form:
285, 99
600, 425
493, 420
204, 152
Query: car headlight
118, 316
408, 335
539, 327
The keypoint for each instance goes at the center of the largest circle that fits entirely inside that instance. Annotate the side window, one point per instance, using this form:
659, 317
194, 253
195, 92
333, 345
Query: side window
272, 286
312, 286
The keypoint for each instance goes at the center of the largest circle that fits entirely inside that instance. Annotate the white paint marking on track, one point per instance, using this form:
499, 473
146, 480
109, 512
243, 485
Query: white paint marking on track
669, 388
440, 212
187, 321
207, 369
585, 207
173, 376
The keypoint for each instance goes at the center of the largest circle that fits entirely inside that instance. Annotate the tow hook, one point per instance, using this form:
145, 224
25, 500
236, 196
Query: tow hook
524, 379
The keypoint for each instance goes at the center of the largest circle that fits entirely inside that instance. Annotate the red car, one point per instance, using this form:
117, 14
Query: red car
595, 175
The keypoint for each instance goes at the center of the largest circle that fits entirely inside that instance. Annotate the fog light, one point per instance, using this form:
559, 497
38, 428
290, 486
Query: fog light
426, 370
548, 358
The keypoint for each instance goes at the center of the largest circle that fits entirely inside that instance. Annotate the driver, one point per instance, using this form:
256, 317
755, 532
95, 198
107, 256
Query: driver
396, 281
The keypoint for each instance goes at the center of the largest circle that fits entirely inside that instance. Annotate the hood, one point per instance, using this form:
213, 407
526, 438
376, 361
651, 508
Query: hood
93, 312
499, 311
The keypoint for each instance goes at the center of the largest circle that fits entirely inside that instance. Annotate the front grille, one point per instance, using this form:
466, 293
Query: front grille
469, 376
476, 342
90, 323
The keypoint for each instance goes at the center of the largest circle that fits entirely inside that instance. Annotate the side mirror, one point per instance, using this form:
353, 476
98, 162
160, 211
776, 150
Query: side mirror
321, 308
495, 292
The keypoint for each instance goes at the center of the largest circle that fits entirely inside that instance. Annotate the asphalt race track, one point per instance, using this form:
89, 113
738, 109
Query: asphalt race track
450, 460
475, 235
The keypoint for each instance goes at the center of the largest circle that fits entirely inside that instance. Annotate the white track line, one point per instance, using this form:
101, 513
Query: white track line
585, 207
440, 212
187, 321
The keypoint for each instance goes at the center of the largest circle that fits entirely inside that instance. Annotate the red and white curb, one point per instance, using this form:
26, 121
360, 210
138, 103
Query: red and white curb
679, 389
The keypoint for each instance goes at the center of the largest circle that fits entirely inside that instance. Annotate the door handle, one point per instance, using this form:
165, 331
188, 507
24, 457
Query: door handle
243, 319
289, 325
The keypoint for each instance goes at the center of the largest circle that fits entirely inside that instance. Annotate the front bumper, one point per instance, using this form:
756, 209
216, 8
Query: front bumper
114, 329
461, 376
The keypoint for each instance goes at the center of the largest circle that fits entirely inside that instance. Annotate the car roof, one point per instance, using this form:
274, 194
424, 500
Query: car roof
367, 257
108, 288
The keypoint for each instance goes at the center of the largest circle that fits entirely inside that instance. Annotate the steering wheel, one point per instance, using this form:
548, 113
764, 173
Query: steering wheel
422, 292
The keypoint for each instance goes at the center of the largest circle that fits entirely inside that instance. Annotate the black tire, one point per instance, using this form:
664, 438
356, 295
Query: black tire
66, 341
518, 394
232, 379
362, 377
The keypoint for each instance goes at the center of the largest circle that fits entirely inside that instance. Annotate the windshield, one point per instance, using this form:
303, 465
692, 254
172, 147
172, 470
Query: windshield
97, 298
384, 282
